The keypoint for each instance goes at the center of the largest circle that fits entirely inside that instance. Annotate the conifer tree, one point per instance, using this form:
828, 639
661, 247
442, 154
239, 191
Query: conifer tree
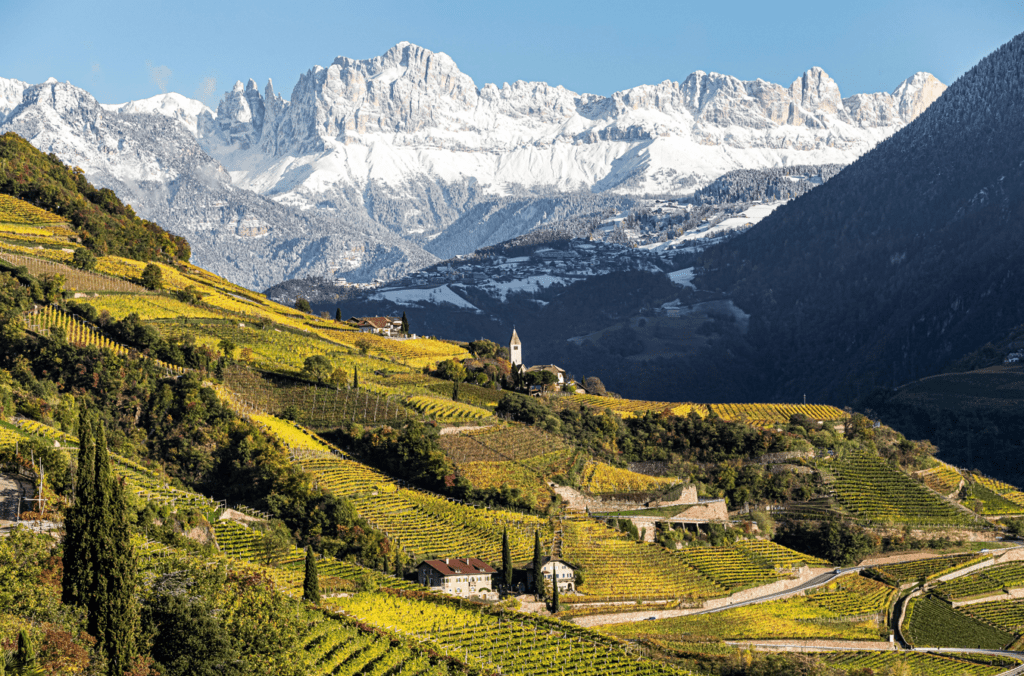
25, 657
405, 325
455, 391
119, 621
355, 379
337, 315
78, 564
311, 582
99, 561
538, 564
554, 595
506, 559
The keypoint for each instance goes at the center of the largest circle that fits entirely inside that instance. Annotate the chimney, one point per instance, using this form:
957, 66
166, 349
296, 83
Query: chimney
446, 562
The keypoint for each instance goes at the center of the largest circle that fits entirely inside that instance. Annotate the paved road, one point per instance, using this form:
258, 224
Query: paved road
810, 584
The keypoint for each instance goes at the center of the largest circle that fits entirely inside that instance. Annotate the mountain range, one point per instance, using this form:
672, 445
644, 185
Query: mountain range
363, 169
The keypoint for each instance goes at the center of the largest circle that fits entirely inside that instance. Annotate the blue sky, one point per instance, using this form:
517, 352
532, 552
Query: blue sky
131, 50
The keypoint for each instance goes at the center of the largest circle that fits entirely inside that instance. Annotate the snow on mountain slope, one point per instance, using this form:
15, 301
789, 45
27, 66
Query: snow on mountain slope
175, 106
10, 95
154, 163
387, 153
392, 122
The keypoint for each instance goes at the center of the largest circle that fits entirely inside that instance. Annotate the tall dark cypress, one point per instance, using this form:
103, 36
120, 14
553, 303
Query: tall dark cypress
405, 325
98, 539
337, 315
355, 379
78, 564
119, 622
506, 559
538, 564
311, 582
554, 595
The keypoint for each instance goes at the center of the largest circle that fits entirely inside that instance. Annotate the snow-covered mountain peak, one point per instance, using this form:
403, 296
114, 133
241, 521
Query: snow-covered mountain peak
187, 111
10, 95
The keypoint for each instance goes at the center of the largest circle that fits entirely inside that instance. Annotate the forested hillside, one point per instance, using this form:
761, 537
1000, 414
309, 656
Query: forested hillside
104, 224
902, 263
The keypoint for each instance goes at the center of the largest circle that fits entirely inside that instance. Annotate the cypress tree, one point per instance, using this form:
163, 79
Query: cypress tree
78, 564
119, 622
405, 325
506, 559
311, 582
25, 658
455, 391
538, 564
99, 561
355, 379
554, 595
337, 315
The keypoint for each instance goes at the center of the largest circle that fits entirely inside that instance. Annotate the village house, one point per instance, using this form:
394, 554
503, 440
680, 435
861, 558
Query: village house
383, 326
458, 577
554, 569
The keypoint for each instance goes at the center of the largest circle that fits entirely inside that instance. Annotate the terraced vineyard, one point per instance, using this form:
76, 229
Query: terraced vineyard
599, 477
1010, 494
797, 618
616, 568
875, 492
768, 414
341, 649
943, 479
43, 320
933, 623
507, 643
853, 595
528, 476
508, 441
447, 410
315, 405
914, 664
628, 408
925, 569
727, 567
774, 554
14, 210
77, 280
150, 307
985, 582
1006, 615
287, 569
419, 522
140, 481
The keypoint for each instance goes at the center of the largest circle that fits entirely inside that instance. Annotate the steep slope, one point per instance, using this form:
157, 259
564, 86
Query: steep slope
905, 260
410, 138
138, 152
370, 160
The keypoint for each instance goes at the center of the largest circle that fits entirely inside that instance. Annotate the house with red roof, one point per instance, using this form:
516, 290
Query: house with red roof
459, 577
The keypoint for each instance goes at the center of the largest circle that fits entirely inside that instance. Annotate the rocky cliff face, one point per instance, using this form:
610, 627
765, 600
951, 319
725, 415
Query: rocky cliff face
403, 145
407, 127
148, 154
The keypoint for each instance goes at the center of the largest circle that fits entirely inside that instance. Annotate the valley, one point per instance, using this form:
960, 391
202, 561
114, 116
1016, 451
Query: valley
401, 375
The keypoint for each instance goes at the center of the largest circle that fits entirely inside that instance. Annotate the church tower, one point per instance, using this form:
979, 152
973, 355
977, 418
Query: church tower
515, 349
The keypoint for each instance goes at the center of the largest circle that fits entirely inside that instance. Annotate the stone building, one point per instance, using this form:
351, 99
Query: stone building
458, 577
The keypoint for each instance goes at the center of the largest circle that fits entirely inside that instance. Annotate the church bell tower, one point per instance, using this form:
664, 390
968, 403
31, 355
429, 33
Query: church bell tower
515, 349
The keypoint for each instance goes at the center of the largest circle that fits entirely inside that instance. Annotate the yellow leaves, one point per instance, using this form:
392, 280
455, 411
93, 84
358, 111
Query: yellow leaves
445, 409
600, 477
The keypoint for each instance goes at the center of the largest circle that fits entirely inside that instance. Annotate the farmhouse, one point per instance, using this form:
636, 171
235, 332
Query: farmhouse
554, 570
384, 326
459, 577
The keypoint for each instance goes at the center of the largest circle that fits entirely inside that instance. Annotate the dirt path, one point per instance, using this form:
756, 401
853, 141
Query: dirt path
459, 430
11, 493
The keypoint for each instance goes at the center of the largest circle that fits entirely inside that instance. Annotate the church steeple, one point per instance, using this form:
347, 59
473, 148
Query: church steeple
515, 349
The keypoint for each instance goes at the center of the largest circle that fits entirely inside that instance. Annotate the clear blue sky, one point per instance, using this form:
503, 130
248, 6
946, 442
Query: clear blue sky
122, 50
